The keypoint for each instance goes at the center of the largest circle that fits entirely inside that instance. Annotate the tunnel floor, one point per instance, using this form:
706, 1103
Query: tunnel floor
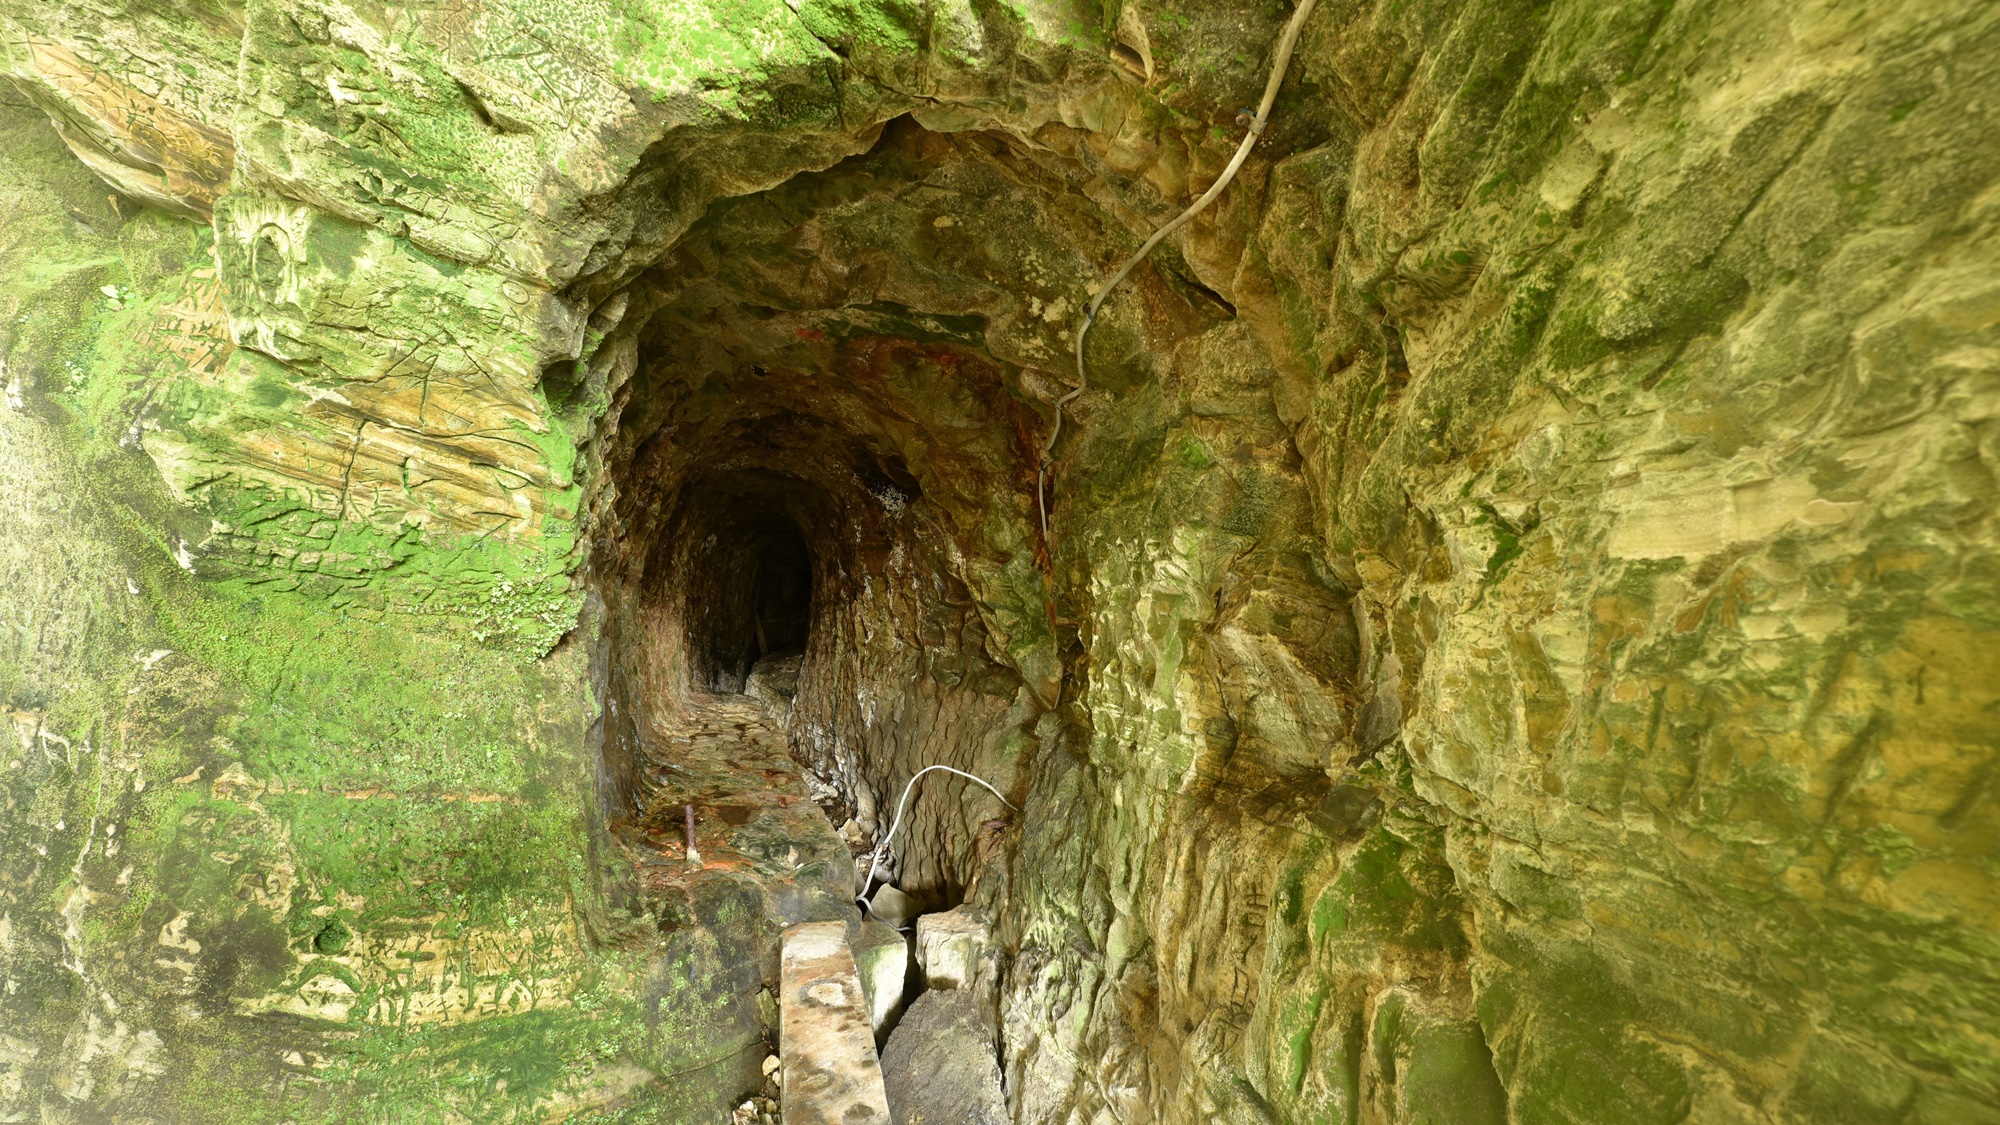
764, 859
755, 826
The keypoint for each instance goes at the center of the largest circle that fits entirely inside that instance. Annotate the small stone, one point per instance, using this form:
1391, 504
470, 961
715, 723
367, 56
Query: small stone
852, 834
955, 949
892, 906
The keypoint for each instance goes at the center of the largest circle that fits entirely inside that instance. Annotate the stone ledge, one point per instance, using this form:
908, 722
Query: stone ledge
831, 1073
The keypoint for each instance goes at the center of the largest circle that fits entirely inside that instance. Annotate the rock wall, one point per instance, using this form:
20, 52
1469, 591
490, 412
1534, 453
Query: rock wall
1512, 639
263, 858
1629, 357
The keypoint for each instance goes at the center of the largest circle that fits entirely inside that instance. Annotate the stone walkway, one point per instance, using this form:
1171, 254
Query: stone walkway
753, 819
765, 860
831, 1073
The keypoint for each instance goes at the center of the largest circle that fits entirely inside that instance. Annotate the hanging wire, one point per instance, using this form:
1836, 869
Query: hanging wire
883, 848
1255, 123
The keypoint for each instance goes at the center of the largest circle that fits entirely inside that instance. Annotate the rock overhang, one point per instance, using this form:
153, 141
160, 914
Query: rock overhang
1518, 586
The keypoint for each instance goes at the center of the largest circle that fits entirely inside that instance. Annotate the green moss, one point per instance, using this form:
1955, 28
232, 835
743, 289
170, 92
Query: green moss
465, 864
511, 597
1837, 1082
491, 1070
1303, 1016
1194, 452
331, 937
1329, 916
1582, 1066
730, 49
1894, 849
1449, 1078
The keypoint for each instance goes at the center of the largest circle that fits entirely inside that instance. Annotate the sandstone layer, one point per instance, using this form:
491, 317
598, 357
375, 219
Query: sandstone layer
1512, 637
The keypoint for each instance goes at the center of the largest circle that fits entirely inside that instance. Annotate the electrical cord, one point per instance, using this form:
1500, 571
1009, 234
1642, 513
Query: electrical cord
901, 803
1286, 43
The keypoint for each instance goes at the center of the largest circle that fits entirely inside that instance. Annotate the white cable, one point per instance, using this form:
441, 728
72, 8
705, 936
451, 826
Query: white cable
883, 847
1286, 43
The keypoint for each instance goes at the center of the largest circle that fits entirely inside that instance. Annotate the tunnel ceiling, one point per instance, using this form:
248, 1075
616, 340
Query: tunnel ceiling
1512, 642
898, 323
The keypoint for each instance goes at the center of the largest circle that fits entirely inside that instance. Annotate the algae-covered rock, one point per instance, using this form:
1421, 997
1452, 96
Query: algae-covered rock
882, 957
1505, 631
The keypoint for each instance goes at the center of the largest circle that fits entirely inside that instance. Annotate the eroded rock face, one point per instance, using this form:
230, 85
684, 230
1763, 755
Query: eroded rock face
1512, 639
939, 1065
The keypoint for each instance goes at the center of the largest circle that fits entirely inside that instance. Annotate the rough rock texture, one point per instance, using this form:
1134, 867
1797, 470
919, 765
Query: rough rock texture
1514, 638
831, 1073
939, 1065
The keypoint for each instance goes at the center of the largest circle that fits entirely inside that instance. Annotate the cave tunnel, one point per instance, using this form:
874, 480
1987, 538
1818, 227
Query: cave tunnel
534, 543
825, 551
749, 587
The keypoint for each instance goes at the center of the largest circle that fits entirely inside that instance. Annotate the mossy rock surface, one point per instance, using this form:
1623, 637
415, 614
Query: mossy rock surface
1507, 633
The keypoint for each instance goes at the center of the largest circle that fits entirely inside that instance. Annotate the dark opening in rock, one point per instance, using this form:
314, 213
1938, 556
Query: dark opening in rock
750, 590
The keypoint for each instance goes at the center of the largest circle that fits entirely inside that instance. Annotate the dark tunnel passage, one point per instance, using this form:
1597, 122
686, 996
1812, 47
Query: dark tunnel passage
824, 569
783, 593
749, 588
789, 583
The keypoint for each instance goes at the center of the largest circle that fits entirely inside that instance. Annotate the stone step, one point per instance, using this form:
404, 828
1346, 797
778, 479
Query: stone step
827, 1041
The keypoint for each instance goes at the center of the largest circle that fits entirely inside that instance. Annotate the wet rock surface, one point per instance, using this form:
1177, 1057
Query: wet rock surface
754, 824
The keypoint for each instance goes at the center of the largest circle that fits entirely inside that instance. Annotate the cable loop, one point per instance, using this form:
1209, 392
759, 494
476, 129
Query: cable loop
883, 847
